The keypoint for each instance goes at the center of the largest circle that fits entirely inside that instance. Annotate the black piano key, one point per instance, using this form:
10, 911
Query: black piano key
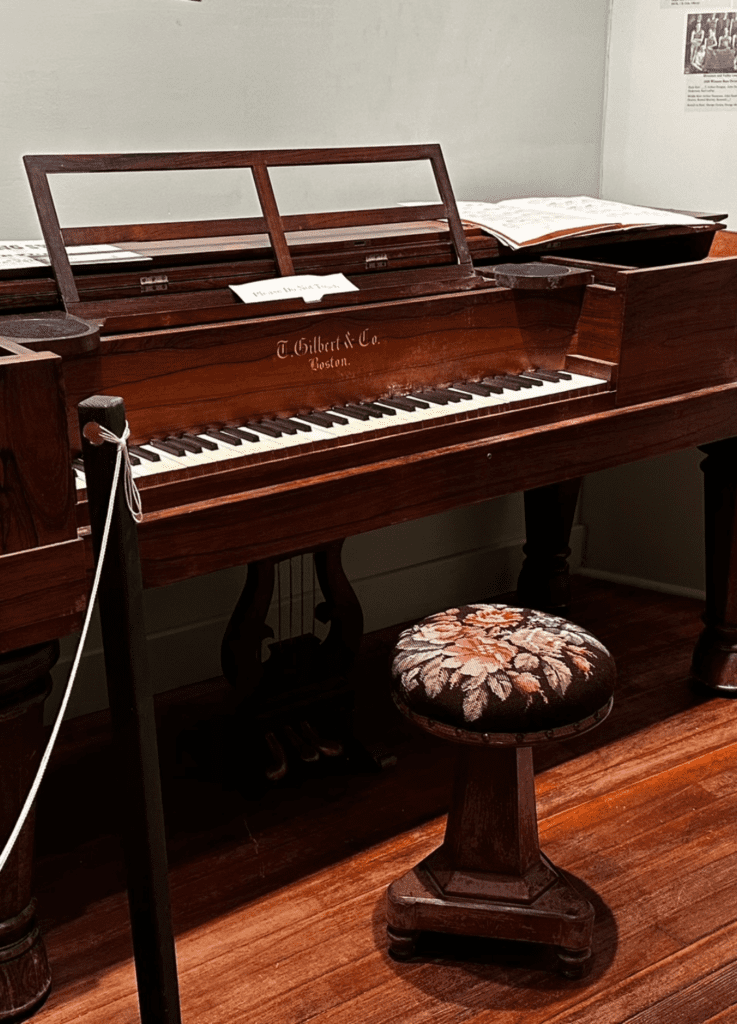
264, 428
491, 389
404, 404
220, 435
473, 387
335, 417
373, 411
562, 375
298, 425
240, 434
515, 378
143, 454
78, 464
453, 396
133, 459
504, 383
208, 445
170, 447
353, 411
190, 446
318, 418
418, 403
535, 380
284, 425
435, 397
543, 375
383, 410
369, 412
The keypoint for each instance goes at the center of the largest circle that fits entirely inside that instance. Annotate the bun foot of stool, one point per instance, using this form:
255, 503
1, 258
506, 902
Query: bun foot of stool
402, 945
558, 917
574, 963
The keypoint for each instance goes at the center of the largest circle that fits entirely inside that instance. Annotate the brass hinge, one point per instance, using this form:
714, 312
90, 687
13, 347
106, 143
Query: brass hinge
155, 283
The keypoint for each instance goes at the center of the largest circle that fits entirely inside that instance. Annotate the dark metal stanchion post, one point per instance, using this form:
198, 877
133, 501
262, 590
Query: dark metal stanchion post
134, 727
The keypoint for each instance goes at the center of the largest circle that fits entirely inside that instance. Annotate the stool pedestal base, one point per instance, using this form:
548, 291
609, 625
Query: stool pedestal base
489, 878
559, 916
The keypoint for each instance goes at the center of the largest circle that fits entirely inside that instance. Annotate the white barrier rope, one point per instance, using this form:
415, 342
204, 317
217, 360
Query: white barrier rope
97, 434
133, 500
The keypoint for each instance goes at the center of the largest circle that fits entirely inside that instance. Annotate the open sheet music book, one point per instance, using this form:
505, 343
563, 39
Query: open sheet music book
521, 222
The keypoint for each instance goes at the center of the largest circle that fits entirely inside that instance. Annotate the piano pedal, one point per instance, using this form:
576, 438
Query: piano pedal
306, 750
328, 747
276, 763
381, 756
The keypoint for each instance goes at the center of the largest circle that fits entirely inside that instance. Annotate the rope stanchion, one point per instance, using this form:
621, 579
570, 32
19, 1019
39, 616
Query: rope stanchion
133, 499
139, 802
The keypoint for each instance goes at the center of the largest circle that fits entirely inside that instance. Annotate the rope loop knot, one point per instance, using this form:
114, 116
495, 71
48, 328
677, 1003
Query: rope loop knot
132, 494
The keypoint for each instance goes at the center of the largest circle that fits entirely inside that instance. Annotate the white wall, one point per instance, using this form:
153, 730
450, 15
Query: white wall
655, 151
497, 83
512, 91
644, 522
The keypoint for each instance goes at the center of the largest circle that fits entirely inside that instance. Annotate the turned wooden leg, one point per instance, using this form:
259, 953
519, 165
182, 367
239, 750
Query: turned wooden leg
715, 656
544, 579
25, 683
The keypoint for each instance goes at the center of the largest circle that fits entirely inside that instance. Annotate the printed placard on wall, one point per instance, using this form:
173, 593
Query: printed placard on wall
710, 60
697, 3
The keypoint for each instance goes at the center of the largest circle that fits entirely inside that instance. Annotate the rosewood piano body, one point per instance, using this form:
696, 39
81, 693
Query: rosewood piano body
643, 320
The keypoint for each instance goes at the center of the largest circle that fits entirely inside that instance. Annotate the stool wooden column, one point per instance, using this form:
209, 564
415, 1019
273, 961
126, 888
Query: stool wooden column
497, 680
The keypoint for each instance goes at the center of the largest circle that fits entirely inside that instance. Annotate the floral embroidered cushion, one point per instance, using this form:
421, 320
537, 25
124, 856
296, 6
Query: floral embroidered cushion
492, 668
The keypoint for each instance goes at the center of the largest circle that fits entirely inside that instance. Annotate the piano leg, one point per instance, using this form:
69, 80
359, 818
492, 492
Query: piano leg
715, 657
24, 685
544, 580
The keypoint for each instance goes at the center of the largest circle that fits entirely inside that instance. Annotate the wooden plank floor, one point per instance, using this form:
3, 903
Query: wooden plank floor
278, 897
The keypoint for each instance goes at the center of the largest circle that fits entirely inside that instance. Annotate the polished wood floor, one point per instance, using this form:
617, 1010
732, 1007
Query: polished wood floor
278, 895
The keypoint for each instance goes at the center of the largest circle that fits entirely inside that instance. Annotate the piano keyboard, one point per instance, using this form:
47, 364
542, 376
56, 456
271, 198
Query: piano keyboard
356, 421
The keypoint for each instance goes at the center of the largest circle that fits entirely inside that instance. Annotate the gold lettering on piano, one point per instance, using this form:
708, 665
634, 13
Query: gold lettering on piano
328, 364
326, 354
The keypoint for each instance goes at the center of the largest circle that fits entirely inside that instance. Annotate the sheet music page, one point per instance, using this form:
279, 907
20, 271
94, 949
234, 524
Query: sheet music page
519, 222
17, 255
310, 287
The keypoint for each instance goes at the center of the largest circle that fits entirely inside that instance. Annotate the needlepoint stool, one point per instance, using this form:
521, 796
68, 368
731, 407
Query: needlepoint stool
497, 680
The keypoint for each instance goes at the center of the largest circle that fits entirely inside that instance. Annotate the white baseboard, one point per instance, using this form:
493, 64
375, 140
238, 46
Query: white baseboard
643, 584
